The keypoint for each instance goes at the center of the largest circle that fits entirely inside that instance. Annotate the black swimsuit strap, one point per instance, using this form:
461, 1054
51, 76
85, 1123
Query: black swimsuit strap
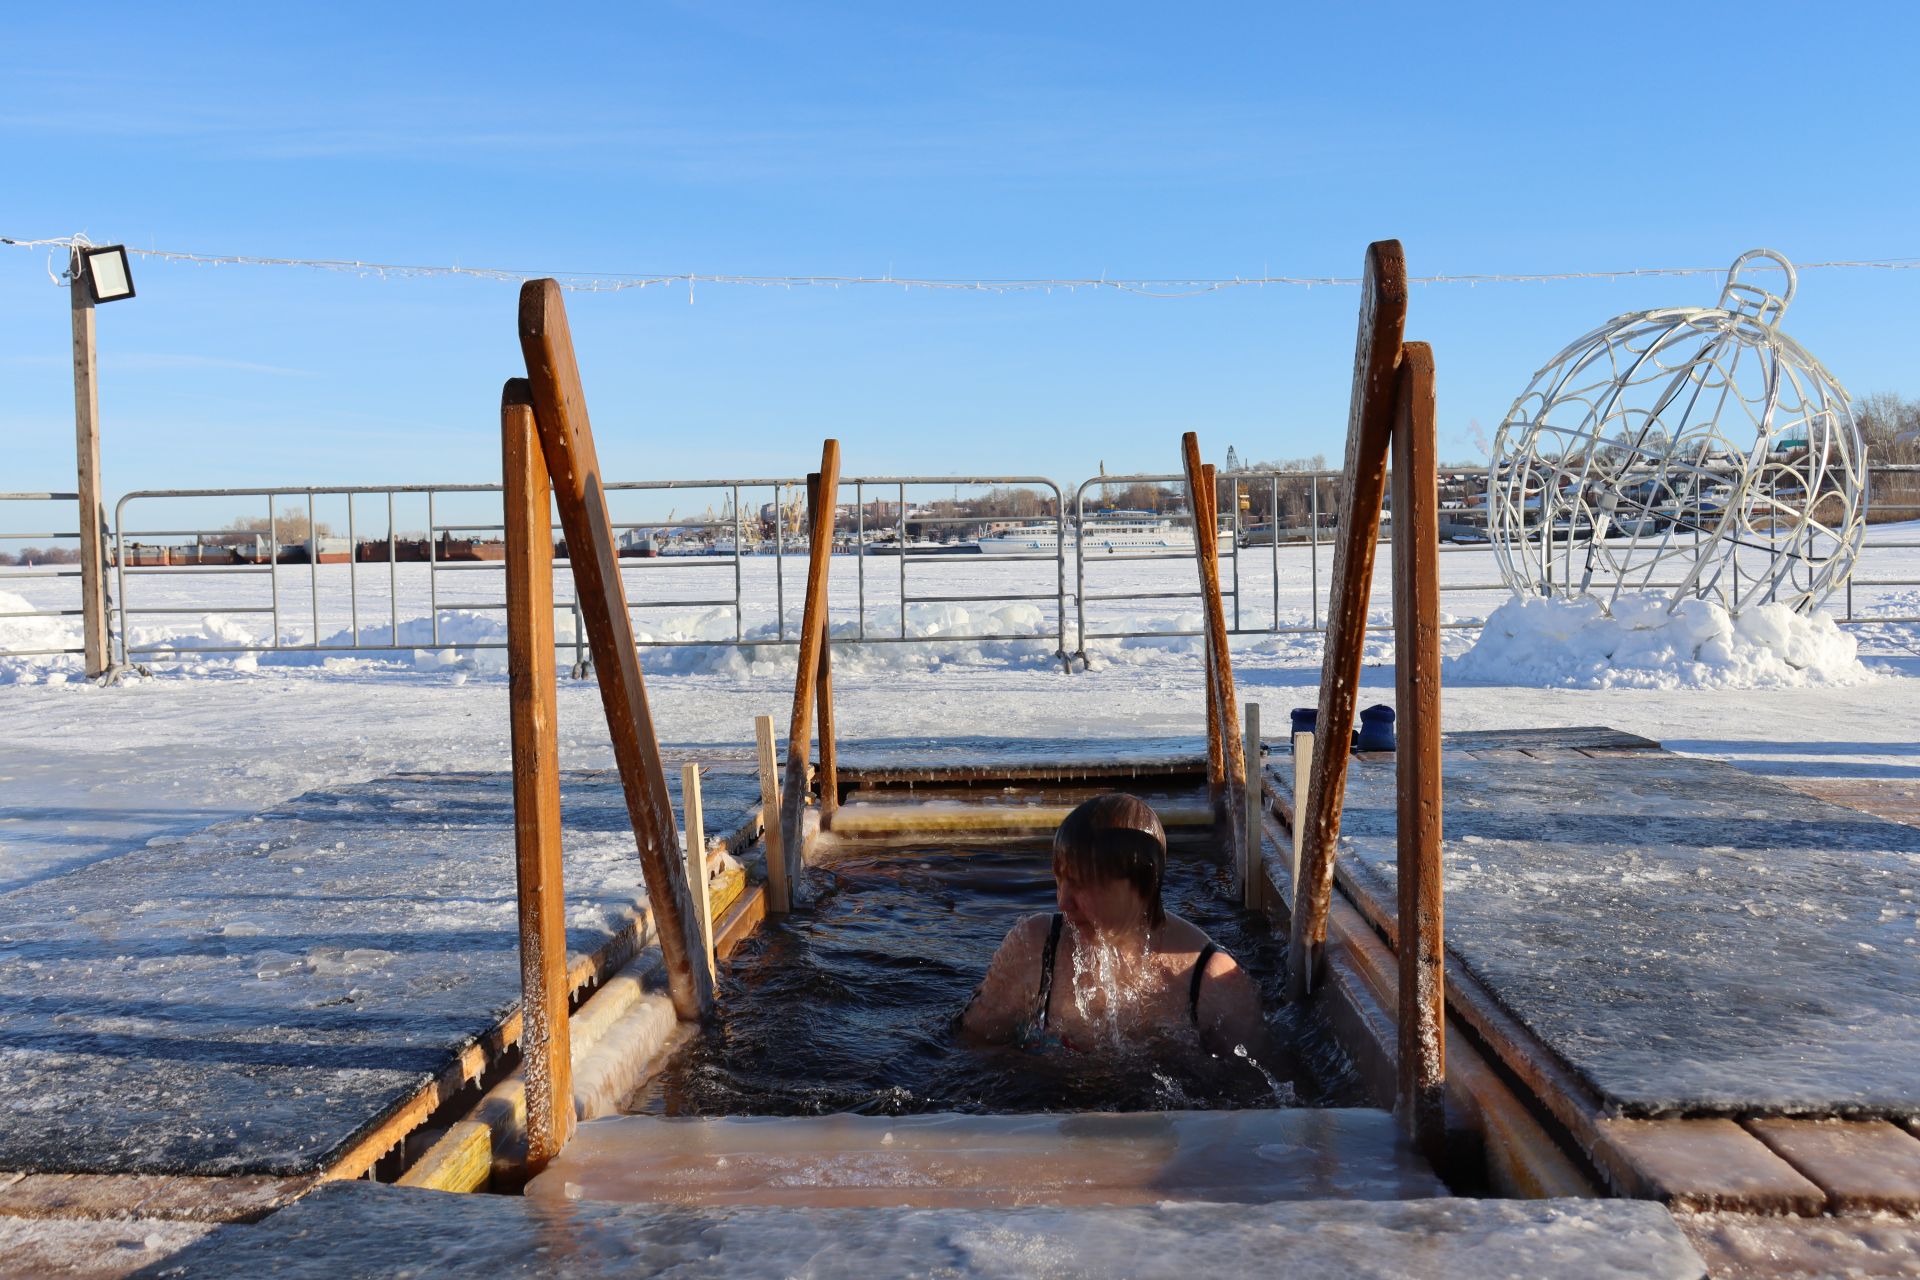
1046, 970
1193, 987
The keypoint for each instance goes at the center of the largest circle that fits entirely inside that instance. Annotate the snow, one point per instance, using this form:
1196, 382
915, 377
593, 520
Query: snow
87, 773
1644, 643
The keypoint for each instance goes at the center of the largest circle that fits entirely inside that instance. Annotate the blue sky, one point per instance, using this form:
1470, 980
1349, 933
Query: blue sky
958, 141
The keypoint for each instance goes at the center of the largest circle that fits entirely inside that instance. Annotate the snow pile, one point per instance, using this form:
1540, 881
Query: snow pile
1644, 645
23, 635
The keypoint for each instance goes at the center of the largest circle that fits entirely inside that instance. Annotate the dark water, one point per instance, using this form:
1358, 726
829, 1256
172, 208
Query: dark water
849, 1006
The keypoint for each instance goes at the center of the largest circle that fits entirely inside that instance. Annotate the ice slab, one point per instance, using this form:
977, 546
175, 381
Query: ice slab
973, 1161
248, 998
1687, 936
367, 1229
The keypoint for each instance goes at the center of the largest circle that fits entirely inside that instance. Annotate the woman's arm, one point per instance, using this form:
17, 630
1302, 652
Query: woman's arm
1005, 997
1230, 1012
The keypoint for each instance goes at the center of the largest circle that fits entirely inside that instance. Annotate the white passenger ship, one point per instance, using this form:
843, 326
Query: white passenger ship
1103, 533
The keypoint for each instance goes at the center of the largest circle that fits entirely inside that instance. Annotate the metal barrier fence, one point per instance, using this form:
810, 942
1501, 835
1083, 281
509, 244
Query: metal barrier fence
299, 606
48, 509
394, 591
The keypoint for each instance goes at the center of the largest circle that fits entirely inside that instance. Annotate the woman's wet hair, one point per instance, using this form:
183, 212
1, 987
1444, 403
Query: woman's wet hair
1115, 837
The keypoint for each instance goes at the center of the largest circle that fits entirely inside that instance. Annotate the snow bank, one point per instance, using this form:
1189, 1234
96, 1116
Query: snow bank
22, 635
1644, 645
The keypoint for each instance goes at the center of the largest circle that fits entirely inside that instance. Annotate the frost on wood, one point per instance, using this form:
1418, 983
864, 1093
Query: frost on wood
248, 998
1688, 937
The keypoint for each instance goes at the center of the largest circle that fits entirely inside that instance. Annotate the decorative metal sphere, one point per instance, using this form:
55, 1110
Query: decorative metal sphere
1691, 451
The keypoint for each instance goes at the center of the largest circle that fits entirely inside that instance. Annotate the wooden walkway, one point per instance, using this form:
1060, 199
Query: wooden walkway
1705, 978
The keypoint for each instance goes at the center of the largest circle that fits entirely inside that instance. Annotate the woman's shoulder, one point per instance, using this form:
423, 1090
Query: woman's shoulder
1183, 937
1029, 932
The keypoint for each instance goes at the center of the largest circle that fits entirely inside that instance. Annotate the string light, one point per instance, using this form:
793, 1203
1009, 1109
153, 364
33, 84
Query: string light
1149, 287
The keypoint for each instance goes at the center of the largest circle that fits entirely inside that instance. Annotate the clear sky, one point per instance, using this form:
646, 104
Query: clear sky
978, 140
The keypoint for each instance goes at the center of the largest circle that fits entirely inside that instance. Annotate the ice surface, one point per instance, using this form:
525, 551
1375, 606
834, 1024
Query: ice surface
1687, 936
976, 1161
1645, 644
366, 1229
96, 1249
247, 998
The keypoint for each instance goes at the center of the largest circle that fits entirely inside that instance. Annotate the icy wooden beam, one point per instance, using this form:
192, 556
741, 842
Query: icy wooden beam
828, 781
566, 439
1416, 633
1223, 720
536, 780
1383, 316
696, 825
813, 636
779, 896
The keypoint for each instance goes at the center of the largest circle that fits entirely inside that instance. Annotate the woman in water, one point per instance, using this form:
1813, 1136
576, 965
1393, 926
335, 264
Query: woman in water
1111, 969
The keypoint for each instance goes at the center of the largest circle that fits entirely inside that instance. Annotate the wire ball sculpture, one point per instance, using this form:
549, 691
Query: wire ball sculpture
1690, 451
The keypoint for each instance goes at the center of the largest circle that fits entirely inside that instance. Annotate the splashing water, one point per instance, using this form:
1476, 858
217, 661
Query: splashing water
1283, 1092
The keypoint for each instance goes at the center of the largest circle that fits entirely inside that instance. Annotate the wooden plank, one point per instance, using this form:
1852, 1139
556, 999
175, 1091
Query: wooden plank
1861, 1165
779, 896
1223, 720
1701, 1164
1383, 315
1302, 781
741, 919
462, 1160
1422, 1011
536, 778
827, 777
245, 1198
863, 819
813, 636
696, 843
566, 438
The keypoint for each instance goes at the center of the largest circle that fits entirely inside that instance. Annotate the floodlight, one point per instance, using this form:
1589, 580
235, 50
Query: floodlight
108, 277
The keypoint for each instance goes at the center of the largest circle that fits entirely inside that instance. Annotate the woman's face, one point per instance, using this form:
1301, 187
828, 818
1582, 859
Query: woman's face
1099, 906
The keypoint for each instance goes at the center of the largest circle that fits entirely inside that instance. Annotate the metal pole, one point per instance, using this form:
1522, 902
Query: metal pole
779, 562
1314, 551
860, 552
1080, 569
1236, 553
393, 577
901, 516
86, 424
273, 567
433, 576
313, 570
1273, 533
353, 577
1060, 572
739, 626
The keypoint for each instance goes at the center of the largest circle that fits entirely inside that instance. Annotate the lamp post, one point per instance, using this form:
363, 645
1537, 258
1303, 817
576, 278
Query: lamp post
95, 275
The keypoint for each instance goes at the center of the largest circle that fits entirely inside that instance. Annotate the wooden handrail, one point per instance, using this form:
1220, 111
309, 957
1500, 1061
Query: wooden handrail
813, 636
1383, 316
545, 1040
1223, 711
827, 782
1416, 631
566, 440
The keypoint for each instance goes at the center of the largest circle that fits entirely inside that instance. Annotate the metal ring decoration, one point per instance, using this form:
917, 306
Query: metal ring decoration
1687, 451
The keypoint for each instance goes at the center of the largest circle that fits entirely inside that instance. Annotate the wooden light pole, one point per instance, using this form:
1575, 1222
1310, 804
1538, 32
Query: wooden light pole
86, 424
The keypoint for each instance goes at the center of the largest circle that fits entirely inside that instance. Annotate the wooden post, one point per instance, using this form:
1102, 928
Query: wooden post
696, 825
1251, 872
1416, 630
779, 900
86, 426
1302, 775
827, 782
544, 1039
1201, 500
566, 439
1383, 316
1224, 723
813, 635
